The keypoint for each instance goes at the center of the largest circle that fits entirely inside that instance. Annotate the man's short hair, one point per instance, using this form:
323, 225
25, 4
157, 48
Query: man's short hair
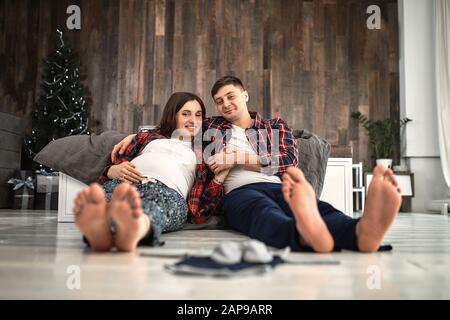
224, 81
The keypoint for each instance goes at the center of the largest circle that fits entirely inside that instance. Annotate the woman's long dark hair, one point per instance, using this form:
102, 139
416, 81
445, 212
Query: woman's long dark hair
176, 101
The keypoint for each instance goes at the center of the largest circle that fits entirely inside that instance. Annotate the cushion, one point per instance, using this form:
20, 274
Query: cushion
313, 158
82, 157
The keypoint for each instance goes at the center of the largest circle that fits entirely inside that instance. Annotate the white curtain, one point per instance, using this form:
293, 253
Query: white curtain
442, 58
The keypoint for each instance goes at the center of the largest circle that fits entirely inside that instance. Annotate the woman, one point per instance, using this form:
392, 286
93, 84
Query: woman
159, 170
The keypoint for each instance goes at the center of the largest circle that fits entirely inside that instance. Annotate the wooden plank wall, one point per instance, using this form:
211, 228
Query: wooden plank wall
310, 62
12, 129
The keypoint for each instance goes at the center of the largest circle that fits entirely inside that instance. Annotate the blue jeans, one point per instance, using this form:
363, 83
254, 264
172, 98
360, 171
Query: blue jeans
260, 211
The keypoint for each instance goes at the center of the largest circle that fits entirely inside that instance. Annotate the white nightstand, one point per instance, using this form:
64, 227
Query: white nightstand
338, 187
68, 190
359, 190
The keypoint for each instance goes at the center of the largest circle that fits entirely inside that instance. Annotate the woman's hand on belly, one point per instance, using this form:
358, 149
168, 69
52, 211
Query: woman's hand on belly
126, 172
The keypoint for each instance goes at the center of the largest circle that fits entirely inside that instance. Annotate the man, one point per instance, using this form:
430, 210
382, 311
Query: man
265, 196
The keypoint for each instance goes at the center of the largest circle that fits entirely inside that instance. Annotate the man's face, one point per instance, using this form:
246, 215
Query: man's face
231, 102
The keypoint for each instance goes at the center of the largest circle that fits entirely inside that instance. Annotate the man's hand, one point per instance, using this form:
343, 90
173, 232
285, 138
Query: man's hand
224, 160
120, 148
220, 177
126, 172
230, 158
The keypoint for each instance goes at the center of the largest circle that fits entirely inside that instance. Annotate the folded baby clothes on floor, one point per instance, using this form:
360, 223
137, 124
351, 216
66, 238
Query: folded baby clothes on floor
230, 259
205, 266
253, 251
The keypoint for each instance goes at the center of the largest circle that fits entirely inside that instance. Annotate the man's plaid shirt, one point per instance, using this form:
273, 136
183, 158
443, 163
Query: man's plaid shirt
271, 139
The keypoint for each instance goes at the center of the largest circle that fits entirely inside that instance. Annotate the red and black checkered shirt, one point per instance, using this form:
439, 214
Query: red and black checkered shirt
271, 139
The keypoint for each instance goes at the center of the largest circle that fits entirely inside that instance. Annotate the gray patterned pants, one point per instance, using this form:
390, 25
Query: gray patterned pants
166, 208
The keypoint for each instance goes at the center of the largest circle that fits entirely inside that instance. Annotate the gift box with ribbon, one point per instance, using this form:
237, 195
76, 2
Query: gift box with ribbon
47, 190
23, 187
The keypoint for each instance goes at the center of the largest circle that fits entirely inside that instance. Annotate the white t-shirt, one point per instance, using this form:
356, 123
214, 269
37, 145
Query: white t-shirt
238, 176
170, 161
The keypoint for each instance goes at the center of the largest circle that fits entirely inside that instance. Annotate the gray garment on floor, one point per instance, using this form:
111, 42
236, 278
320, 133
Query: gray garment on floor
166, 208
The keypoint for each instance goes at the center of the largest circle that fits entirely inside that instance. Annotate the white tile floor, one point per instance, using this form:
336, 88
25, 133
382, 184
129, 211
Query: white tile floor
36, 252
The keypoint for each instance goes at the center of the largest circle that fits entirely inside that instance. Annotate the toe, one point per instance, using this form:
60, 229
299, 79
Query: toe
80, 199
287, 180
286, 191
295, 174
392, 178
379, 170
83, 193
121, 191
76, 208
135, 198
96, 193
77, 204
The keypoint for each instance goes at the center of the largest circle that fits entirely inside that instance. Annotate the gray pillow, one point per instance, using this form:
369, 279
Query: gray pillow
82, 157
313, 158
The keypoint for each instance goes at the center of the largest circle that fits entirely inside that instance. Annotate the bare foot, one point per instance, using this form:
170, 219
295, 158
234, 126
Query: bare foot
382, 205
131, 223
300, 196
91, 219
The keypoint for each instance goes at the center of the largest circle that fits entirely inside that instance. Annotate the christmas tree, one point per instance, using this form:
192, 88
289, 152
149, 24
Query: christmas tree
62, 109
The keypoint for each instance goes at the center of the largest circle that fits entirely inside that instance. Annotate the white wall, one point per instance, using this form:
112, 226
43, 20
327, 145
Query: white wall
420, 147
